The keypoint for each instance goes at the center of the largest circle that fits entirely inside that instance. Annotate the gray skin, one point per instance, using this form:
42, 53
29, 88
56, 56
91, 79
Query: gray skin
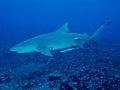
62, 40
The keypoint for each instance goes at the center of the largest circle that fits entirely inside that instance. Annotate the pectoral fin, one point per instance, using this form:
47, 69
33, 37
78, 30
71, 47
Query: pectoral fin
45, 51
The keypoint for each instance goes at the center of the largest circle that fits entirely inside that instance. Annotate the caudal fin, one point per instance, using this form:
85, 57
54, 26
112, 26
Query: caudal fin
99, 28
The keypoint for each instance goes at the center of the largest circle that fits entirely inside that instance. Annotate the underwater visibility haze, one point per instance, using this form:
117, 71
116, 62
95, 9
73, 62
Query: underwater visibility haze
59, 45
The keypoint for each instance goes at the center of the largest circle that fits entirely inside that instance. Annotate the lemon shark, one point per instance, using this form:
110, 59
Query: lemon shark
62, 40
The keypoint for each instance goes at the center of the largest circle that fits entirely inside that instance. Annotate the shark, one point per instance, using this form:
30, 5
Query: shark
62, 40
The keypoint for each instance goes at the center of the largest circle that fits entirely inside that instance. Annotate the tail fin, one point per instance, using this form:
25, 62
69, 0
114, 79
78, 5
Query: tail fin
99, 28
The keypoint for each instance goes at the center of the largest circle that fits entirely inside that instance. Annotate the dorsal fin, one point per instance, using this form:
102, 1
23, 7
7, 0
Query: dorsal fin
64, 28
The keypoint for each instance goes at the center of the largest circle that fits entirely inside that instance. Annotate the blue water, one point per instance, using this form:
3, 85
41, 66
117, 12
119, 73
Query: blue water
23, 19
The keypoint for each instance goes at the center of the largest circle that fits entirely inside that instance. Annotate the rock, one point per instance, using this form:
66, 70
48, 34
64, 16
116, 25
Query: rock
117, 76
26, 85
54, 76
65, 86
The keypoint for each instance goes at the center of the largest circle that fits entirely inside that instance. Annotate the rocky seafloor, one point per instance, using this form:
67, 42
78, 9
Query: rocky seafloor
95, 67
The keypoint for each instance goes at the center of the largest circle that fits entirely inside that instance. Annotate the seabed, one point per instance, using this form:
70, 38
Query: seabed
96, 67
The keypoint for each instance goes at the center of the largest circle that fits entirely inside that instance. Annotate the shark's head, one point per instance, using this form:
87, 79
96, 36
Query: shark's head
23, 48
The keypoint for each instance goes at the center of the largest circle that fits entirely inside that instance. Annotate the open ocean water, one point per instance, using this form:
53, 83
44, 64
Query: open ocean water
94, 67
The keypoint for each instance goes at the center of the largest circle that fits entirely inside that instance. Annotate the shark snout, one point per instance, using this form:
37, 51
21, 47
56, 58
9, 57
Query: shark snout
14, 50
